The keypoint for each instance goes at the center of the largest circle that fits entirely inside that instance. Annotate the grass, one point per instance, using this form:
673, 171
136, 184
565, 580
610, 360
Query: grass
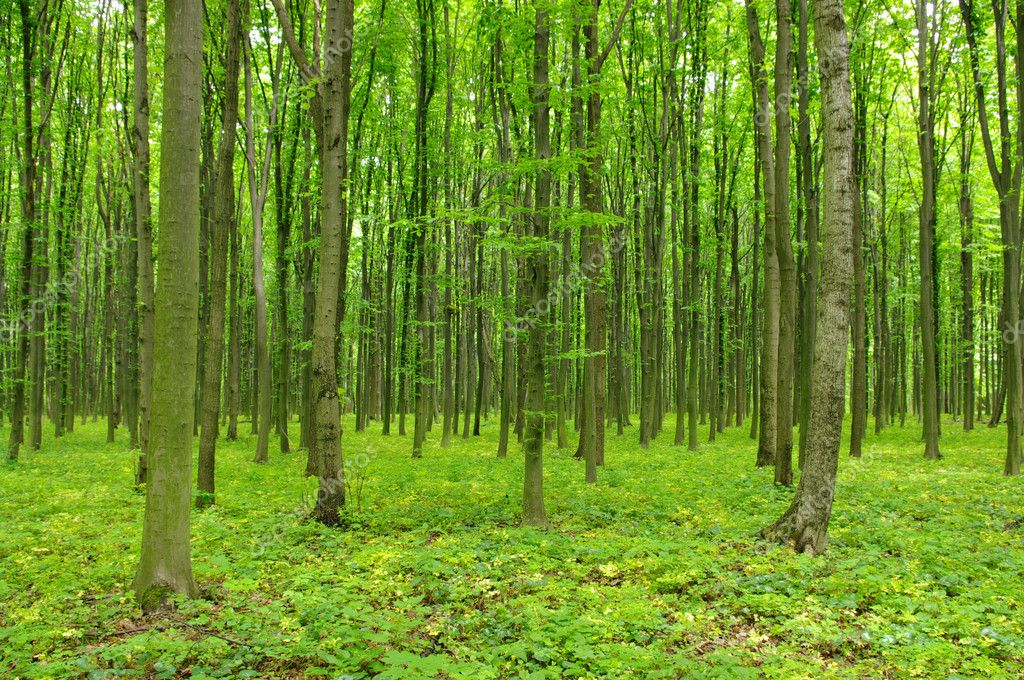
653, 572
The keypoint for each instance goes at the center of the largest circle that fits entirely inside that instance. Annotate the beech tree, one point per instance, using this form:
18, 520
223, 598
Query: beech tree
165, 566
805, 524
224, 214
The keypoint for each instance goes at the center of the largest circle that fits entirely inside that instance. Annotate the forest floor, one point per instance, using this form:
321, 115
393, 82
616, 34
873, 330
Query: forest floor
654, 572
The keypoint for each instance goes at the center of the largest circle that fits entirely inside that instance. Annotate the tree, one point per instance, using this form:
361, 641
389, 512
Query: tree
1005, 171
327, 415
165, 566
593, 242
804, 525
425, 85
533, 440
965, 205
809, 215
223, 215
257, 201
28, 215
784, 247
768, 412
926, 83
143, 225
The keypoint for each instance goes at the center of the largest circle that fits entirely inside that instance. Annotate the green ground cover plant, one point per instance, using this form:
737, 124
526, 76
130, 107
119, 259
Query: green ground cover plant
654, 572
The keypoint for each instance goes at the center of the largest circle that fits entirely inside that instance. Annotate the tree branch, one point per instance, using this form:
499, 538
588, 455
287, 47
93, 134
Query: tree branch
307, 70
614, 37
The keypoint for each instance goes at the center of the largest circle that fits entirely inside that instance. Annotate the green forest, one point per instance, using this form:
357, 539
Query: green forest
511, 339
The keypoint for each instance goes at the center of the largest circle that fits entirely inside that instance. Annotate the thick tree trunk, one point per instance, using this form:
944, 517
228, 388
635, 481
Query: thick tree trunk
165, 566
327, 429
804, 525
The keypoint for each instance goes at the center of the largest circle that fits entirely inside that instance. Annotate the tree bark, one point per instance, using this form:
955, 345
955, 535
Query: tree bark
165, 565
533, 439
223, 215
966, 213
257, 199
926, 225
327, 428
784, 248
768, 409
804, 526
143, 226
425, 81
809, 203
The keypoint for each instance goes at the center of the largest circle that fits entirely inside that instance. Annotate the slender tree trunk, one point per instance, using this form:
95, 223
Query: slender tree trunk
28, 214
143, 226
426, 78
223, 215
447, 368
926, 241
784, 248
695, 122
533, 440
1005, 172
768, 415
809, 196
257, 198
966, 213
235, 335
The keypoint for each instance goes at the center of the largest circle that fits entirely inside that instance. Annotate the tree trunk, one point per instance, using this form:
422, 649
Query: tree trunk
333, 148
1006, 181
426, 78
28, 214
257, 198
804, 525
784, 249
143, 227
223, 215
926, 224
533, 439
966, 213
165, 566
768, 414
809, 198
